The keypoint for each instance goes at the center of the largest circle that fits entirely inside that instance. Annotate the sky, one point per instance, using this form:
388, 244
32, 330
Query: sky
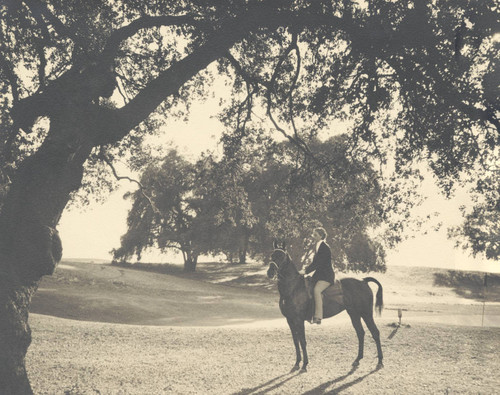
91, 234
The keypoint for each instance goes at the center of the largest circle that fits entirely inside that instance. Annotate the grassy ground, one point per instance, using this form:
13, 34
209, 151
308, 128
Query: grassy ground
101, 329
87, 358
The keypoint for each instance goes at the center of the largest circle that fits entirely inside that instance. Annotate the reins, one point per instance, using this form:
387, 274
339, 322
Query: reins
286, 262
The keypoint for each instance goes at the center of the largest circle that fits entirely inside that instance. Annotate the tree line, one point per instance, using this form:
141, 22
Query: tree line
238, 204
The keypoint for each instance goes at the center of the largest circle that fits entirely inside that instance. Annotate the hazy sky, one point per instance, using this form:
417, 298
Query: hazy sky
93, 233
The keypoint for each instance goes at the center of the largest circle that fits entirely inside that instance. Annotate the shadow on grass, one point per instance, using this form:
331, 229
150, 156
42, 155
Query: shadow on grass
470, 285
396, 327
322, 389
237, 275
276, 383
393, 333
163, 268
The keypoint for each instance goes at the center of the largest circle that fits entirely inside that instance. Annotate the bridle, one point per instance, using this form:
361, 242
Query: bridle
278, 268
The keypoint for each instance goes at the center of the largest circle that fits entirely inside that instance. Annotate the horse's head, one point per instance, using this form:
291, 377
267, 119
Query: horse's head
278, 258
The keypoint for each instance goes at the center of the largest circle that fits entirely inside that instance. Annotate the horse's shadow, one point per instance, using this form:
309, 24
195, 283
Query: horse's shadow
282, 379
320, 389
277, 382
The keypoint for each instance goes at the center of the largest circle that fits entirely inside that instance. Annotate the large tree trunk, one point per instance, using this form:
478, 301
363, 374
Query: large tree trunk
190, 262
243, 246
15, 333
30, 246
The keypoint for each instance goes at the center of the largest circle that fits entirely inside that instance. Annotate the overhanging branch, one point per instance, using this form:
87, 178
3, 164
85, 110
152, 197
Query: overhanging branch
108, 161
215, 46
145, 22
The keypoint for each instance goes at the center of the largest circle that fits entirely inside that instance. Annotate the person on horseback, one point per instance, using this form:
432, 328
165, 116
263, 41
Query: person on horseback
323, 275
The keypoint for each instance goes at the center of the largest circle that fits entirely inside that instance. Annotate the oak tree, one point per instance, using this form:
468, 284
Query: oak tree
417, 73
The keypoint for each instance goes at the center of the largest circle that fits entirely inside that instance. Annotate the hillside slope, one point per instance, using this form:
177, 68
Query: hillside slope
234, 294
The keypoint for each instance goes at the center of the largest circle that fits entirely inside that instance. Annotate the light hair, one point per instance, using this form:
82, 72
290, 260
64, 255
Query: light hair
321, 232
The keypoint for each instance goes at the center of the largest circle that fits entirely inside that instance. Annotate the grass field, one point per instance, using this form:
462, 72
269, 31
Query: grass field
101, 329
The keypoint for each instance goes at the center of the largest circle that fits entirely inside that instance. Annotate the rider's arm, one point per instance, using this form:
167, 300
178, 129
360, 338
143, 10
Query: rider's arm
312, 267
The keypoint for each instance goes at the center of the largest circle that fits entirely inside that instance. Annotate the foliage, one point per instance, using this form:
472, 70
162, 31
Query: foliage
237, 205
480, 231
420, 77
163, 211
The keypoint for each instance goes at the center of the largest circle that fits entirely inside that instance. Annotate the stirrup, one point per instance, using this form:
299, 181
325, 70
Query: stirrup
316, 321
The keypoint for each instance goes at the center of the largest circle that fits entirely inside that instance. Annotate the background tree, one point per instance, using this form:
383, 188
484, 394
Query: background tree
96, 71
163, 212
480, 232
335, 190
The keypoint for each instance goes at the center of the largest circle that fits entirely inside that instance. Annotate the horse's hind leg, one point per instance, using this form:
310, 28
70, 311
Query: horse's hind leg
370, 323
295, 335
358, 326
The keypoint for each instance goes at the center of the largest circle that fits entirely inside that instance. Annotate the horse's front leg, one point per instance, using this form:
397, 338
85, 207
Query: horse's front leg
303, 344
295, 336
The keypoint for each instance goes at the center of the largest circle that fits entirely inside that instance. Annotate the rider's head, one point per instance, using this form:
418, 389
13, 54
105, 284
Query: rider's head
319, 233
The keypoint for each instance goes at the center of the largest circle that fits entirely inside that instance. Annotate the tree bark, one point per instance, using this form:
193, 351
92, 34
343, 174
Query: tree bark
15, 333
190, 262
243, 248
242, 253
30, 246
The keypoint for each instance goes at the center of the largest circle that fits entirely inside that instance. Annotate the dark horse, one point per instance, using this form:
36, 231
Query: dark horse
296, 305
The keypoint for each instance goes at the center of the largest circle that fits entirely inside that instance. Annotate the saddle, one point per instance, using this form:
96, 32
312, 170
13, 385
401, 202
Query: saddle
333, 298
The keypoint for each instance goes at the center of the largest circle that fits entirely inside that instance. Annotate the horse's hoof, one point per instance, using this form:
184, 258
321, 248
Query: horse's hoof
355, 363
303, 370
295, 368
380, 365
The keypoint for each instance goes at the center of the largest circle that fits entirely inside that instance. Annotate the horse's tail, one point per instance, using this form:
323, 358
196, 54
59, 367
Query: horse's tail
379, 301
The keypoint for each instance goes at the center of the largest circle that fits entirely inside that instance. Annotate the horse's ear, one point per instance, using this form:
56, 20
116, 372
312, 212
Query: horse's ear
279, 245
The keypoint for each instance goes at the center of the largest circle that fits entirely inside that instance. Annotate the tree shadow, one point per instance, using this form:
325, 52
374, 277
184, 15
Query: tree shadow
277, 382
470, 285
322, 388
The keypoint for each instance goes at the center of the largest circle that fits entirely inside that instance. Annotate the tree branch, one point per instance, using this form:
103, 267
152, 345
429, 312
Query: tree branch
145, 22
39, 41
215, 46
37, 15
249, 79
38, 7
296, 140
11, 77
43, 62
171, 80
112, 125
106, 160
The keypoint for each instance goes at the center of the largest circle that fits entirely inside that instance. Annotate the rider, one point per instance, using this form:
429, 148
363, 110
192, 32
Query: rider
323, 275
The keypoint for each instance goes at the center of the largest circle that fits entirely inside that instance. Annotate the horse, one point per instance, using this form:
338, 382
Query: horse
296, 304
